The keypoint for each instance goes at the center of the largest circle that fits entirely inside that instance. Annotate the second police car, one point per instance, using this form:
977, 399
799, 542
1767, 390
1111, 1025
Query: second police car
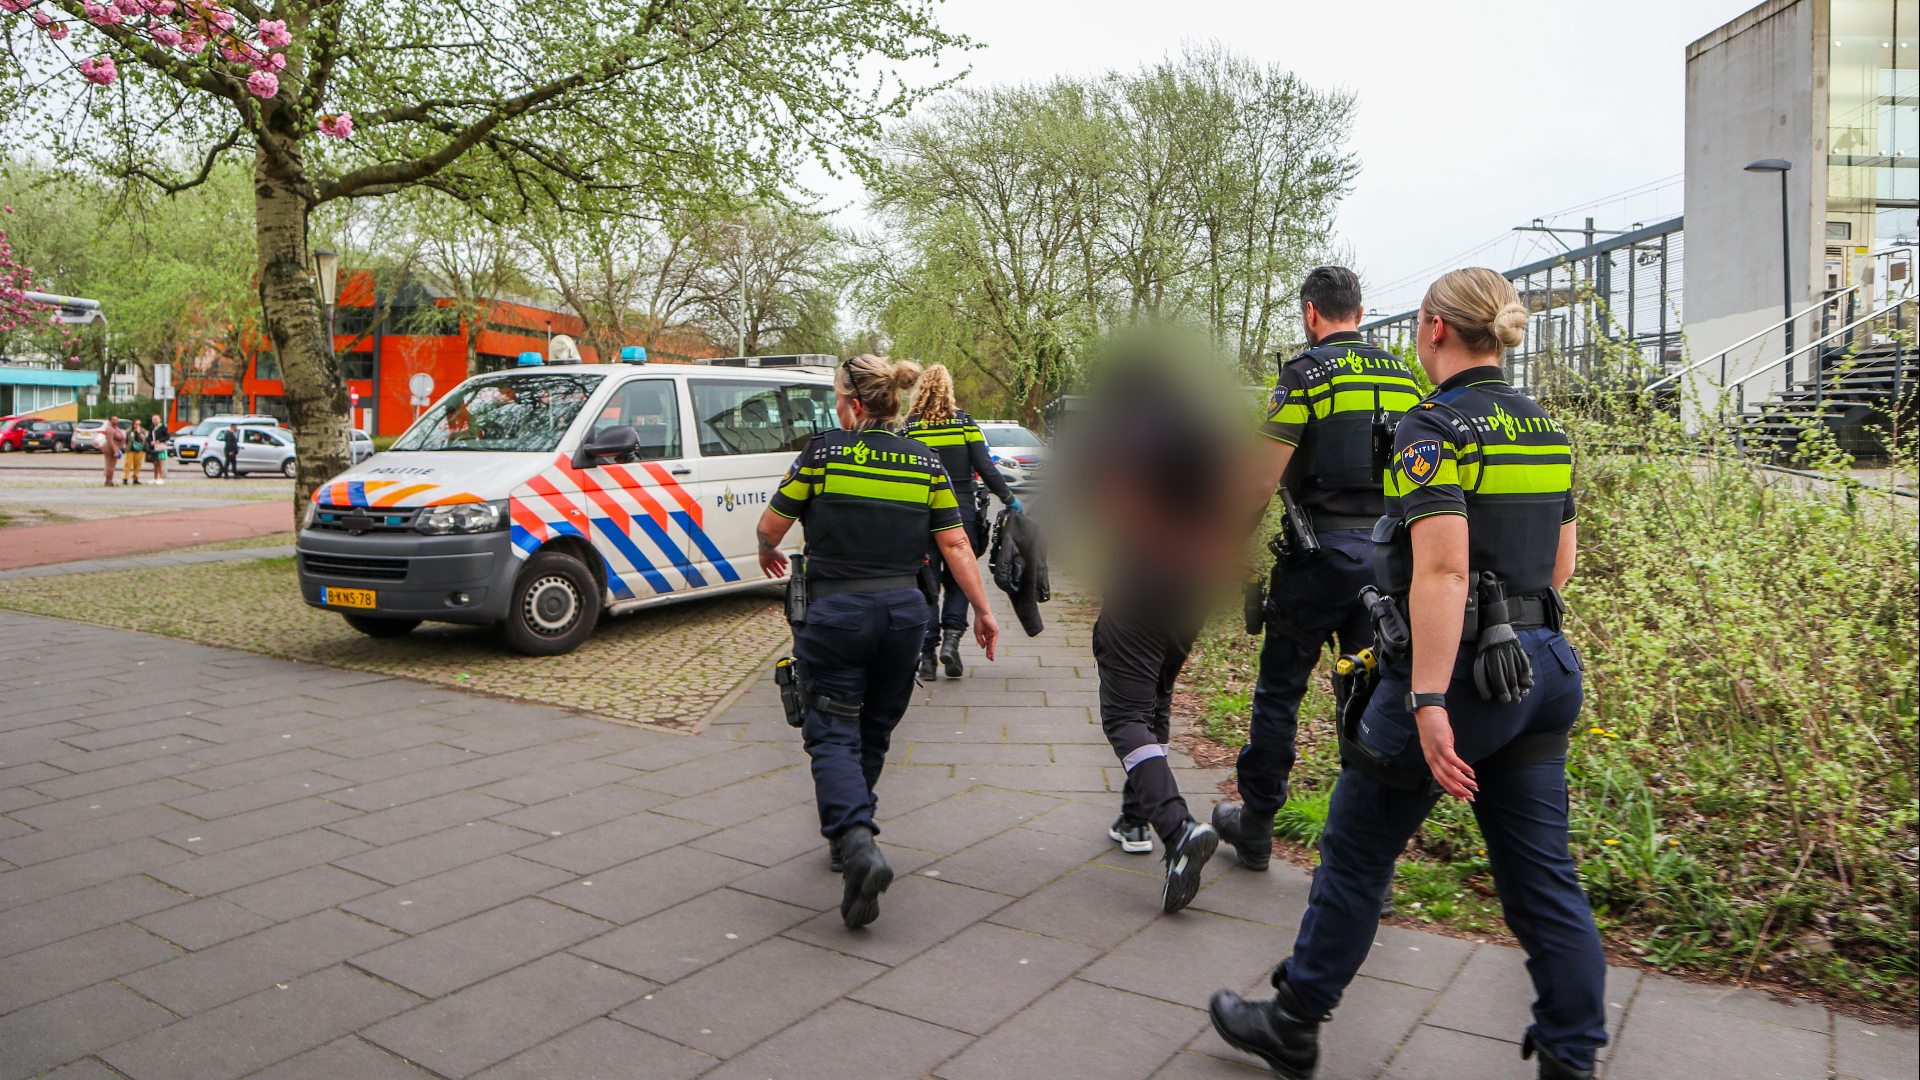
538, 497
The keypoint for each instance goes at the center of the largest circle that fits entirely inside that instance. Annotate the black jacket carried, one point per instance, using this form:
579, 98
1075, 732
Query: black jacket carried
1019, 562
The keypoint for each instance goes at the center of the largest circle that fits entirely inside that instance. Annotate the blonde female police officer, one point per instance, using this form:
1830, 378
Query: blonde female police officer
947, 430
870, 501
1480, 512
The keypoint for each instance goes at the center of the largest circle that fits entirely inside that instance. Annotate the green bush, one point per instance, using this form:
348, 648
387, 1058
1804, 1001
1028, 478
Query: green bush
1303, 818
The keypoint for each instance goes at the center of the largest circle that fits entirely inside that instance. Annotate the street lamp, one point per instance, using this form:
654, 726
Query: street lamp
741, 261
1777, 165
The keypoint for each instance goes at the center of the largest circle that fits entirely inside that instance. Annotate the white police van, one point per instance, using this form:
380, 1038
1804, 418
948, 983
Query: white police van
537, 497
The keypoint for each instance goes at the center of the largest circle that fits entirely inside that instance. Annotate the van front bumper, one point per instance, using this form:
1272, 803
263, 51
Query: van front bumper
457, 579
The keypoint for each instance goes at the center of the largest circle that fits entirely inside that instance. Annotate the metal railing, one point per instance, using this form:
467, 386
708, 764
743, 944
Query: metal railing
1740, 385
1744, 342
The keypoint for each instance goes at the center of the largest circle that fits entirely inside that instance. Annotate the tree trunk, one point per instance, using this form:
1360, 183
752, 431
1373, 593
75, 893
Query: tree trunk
316, 396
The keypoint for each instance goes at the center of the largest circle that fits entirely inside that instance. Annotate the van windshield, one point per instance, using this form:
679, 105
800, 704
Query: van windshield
516, 413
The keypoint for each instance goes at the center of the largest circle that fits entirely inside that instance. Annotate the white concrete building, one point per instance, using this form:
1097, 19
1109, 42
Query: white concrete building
1833, 88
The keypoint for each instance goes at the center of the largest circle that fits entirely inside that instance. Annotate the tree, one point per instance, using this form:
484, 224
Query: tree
1025, 223
476, 263
786, 259
504, 106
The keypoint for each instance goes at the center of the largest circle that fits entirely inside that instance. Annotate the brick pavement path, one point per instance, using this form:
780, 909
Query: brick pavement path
219, 864
38, 545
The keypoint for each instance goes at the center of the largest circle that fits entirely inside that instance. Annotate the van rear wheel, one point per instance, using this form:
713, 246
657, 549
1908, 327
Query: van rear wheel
554, 607
381, 628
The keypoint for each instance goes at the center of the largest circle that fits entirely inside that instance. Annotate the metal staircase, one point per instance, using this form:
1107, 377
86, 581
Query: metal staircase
1852, 390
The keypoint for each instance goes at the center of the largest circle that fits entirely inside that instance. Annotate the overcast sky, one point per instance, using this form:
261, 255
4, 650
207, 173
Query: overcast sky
1474, 115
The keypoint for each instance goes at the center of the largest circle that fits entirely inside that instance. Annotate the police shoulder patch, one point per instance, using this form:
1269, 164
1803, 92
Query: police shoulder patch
1421, 461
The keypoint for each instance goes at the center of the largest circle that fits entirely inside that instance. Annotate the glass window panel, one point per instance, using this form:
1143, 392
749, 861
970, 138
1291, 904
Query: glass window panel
739, 417
650, 407
515, 413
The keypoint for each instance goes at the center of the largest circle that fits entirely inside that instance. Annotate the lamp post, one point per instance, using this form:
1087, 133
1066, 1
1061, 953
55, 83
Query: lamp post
741, 261
1778, 165
326, 275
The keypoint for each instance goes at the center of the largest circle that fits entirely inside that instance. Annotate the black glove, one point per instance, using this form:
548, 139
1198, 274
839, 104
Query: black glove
1502, 671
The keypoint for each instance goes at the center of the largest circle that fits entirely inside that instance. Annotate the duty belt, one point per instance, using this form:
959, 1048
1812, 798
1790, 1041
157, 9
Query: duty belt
1328, 522
1532, 612
836, 586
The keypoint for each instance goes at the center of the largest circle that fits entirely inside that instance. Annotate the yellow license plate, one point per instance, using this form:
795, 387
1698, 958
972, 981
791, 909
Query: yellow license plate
347, 597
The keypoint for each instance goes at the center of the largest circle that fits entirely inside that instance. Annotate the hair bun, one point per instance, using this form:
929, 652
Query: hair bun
1509, 325
905, 374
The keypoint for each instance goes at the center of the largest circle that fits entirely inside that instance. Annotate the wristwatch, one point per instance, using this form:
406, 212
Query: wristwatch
1416, 702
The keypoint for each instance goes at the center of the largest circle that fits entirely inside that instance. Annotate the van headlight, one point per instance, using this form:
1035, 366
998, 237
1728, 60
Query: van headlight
462, 518
312, 515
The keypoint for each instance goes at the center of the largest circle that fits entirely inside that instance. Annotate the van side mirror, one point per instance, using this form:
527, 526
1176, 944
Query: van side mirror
614, 442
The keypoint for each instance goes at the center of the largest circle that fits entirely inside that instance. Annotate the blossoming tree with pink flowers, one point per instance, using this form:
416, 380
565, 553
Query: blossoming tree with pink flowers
506, 105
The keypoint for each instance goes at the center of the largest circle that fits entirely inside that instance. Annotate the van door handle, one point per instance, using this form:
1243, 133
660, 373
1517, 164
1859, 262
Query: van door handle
681, 471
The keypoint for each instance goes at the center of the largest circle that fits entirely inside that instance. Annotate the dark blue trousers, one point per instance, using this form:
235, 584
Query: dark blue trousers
857, 647
1321, 599
1523, 816
951, 611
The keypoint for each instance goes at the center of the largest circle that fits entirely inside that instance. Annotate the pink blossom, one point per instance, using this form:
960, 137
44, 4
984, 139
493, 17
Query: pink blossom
274, 35
221, 19
40, 18
193, 44
338, 127
128, 8
161, 7
166, 35
103, 16
263, 84
270, 62
58, 31
99, 70
17, 6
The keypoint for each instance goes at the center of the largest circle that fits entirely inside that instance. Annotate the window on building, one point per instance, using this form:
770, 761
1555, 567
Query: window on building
272, 405
651, 409
494, 361
266, 365
356, 365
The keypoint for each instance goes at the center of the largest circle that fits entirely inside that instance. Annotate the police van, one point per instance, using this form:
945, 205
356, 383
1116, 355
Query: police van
538, 497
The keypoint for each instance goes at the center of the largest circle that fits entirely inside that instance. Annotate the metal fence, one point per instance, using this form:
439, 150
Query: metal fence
1607, 314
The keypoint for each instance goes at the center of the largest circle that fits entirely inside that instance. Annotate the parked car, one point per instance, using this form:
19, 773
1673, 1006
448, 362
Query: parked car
86, 434
13, 433
1018, 453
262, 450
51, 435
361, 446
535, 499
190, 443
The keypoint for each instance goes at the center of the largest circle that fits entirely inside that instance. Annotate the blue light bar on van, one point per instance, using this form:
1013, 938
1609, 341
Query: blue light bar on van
530, 358
633, 354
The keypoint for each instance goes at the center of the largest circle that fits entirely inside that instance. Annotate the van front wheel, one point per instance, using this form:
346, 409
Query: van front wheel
554, 607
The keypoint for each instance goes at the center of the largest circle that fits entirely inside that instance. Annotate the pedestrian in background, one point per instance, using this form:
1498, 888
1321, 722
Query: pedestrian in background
112, 441
230, 451
136, 455
936, 422
159, 446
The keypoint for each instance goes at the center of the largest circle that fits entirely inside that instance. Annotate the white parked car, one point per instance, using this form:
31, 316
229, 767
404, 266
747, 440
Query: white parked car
1018, 453
86, 433
538, 497
190, 444
262, 450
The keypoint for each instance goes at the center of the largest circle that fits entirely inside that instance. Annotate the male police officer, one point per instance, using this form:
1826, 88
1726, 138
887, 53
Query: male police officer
1326, 408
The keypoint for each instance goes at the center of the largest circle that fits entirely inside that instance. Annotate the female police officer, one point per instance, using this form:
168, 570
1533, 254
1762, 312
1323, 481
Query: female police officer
1479, 519
946, 429
870, 501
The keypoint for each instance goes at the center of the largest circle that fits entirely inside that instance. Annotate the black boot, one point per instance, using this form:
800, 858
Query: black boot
950, 653
1551, 1068
926, 664
867, 875
834, 862
1278, 1031
1251, 835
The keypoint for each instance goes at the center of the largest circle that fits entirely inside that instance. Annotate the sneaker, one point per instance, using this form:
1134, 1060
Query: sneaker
1133, 837
1186, 857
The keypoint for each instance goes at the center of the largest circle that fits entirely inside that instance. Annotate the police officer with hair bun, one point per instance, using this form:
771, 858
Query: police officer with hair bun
1474, 698
872, 502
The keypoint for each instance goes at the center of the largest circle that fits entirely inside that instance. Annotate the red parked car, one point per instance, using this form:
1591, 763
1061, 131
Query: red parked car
13, 433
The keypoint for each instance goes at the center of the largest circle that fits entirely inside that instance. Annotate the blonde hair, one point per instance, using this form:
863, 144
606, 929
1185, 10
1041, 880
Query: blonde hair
933, 401
876, 382
1481, 306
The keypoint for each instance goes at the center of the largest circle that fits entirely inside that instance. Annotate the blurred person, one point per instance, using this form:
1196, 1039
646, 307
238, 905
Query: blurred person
136, 454
943, 427
112, 442
1479, 508
1327, 405
1160, 459
159, 448
230, 451
871, 502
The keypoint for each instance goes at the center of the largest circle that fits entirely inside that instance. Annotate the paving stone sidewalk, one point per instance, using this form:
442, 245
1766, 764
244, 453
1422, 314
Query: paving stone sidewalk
215, 864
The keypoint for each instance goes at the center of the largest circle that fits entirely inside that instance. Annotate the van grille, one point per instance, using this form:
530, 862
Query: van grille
365, 519
365, 568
